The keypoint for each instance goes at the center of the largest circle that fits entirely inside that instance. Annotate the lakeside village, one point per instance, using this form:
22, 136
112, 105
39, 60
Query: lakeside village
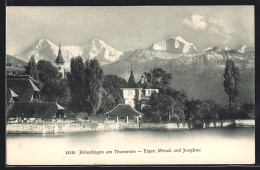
45, 98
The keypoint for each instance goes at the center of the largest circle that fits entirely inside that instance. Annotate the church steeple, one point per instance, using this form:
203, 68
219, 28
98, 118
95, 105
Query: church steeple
59, 63
131, 81
59, 60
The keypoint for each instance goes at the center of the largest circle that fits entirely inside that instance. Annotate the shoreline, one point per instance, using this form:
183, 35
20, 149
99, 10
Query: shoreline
59, 127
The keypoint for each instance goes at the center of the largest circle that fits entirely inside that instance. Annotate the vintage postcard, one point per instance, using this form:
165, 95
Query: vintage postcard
130, 85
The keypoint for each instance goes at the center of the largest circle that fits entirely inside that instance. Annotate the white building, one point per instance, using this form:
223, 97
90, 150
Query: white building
137, 94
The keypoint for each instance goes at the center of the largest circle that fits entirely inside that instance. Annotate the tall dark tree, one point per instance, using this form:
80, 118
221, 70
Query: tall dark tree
209, 111
111, 94
159, 78
31, 69
53, 87
193, 108
93, 89
231, 81
176, 105
169, 104
76, 82
160, 105
247, 111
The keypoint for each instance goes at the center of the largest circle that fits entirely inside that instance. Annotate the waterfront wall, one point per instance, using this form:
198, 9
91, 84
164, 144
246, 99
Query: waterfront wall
88, 126
59, 127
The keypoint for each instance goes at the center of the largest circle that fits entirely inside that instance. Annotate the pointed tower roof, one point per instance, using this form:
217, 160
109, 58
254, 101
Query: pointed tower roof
131, 81
59, 59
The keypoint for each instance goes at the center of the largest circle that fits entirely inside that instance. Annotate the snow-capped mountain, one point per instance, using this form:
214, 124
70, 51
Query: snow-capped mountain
242, 48
217, 49
42, 49
171, 48
101, 51
174, 45
199, 73
47, 50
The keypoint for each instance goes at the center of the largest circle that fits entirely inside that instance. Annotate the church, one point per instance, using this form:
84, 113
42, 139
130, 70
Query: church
59, 63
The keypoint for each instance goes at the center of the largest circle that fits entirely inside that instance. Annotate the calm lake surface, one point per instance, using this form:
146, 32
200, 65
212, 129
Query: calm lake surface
196, 146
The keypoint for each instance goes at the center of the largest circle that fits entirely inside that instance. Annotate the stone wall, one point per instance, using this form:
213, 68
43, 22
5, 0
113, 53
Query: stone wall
88, 126
227, 123
59, 127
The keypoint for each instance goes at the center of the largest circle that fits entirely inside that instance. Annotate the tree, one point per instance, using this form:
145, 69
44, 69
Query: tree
247, 111
53, 87
111, 94
231, 81
85, 83
31, 69
192, 108
113, 82
169, 104
177, 104
93, 89
209, 111
159, 78
76, 82
158, 102
223, 112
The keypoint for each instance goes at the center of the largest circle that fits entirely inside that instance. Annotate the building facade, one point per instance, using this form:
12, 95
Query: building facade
147, 90
138, 94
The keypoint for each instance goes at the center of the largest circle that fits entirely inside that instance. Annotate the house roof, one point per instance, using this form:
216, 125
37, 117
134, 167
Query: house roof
22, 77
131, 84
123, 110
146, 85
32, 109
60, 107
17, 70
12, 93
59, 59
23, 86
35, 88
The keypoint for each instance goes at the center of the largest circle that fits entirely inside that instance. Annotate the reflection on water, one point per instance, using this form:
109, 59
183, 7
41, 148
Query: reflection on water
216, 145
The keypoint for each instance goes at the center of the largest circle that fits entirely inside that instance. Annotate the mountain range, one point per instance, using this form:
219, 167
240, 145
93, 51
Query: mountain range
95, 48
200, 73
13, 61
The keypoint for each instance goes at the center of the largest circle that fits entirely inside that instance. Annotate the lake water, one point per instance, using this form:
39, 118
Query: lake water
196, 146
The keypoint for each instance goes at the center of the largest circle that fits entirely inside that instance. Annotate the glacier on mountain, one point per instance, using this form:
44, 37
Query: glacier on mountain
174, 45
95, 48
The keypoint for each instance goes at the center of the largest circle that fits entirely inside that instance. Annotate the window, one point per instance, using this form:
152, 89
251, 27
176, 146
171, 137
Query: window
35, 96
143, 92
148, 92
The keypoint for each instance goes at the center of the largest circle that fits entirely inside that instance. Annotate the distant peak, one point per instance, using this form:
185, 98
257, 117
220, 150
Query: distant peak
243, 45
96, 39
179, 38
182, 40
45, 40
242, 48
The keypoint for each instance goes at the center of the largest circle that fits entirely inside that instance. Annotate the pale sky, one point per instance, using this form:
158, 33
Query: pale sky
130, 28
